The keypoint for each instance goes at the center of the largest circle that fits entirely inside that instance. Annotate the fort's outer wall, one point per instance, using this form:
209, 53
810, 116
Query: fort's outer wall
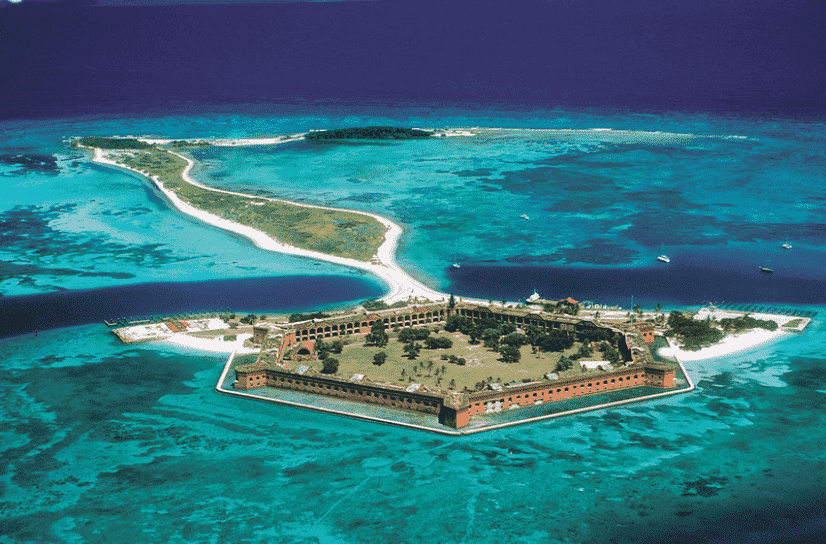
305, 333
556, 390
425, 402
479, 403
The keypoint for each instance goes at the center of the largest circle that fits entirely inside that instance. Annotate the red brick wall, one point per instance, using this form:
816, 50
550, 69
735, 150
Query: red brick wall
356, 391
551, 391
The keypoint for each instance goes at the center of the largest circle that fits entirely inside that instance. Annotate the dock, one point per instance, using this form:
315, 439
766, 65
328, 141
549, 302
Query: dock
766, 309
789, 319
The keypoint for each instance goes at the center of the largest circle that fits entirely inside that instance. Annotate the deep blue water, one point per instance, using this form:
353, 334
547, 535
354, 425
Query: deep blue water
107, 443
30, 313
674, 285
746, 56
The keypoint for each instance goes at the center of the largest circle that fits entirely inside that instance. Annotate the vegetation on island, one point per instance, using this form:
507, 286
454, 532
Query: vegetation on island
444, 357
295, 318
373, 305
113, 143
252, 319
745, 323
694, 334
329, 231
369, 133
181, 144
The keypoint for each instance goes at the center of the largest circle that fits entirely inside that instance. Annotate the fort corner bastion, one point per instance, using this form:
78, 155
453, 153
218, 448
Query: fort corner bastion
288, 361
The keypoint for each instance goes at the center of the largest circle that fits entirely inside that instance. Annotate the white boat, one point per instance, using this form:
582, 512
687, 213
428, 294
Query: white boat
457, 265
766, 270
533, 298
786, 245
662, 256
524, 216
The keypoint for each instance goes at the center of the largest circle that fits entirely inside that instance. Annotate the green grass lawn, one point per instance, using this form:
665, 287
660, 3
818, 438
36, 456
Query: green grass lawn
482, 364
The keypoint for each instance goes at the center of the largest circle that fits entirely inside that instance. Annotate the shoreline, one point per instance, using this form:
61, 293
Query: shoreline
212, 345
402, 286
732, 344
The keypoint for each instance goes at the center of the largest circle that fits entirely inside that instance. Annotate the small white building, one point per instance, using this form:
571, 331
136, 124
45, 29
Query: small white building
594, 365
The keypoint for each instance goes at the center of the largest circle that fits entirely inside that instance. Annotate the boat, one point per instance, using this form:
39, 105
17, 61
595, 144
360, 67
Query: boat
662, 257
534, 297
456, 265
766, 270
786, 245
524, 216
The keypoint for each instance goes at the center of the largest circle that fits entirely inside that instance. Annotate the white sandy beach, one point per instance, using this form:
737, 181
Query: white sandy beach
732, 343
215, 345
383, 265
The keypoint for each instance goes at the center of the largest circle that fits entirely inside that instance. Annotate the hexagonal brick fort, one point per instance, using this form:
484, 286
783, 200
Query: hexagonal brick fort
453, 408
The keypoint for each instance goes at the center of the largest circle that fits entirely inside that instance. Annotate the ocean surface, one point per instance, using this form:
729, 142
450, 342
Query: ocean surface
621, 133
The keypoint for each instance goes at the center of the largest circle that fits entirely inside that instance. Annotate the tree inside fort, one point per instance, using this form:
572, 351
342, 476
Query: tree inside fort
463, 355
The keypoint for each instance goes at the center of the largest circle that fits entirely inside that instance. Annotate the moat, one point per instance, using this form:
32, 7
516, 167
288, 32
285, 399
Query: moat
519, 365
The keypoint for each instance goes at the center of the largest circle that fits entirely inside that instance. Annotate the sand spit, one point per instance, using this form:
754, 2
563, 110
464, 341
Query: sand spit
383, 264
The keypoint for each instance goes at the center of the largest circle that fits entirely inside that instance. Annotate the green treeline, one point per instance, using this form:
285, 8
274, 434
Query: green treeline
295, 318
375, 304
180, 144
369, 133
746, 322
693, 333
113, 143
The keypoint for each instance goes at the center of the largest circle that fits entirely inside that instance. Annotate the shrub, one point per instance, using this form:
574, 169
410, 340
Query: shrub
438, 343
330, 366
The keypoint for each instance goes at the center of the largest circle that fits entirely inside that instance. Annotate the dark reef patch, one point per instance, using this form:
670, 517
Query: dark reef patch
705, 487
596, 252
126, 212
366, 197
24, 272
474, 173
809, 374
537, 181
35, 162
27, 230
683, 229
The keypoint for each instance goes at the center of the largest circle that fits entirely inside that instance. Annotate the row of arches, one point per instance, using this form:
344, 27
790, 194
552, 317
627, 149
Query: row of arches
515, 319
360, 327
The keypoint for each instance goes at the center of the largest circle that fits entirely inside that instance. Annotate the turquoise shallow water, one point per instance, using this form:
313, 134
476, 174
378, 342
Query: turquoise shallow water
103, 442
106, 443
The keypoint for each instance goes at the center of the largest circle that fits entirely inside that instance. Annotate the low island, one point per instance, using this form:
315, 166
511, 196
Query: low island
346, 237
369, 133
417, 357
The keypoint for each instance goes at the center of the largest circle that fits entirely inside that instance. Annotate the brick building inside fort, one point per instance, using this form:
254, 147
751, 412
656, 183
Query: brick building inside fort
453, 408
